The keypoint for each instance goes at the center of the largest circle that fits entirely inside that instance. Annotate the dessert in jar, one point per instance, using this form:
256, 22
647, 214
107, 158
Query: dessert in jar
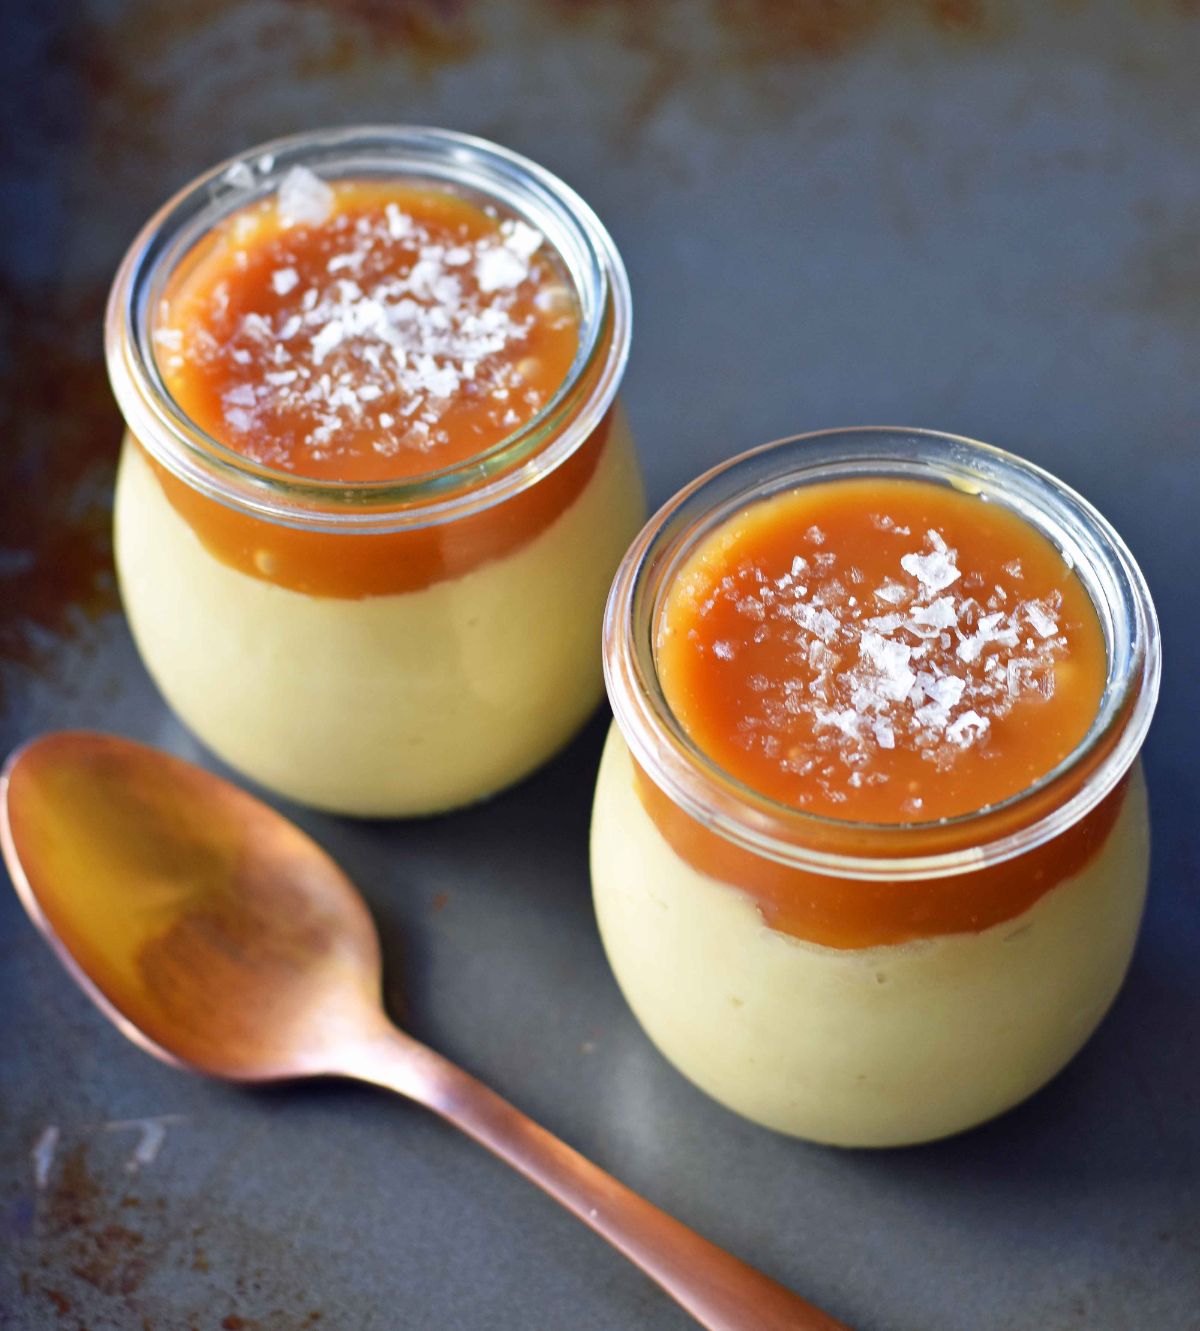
870, 839
376, 478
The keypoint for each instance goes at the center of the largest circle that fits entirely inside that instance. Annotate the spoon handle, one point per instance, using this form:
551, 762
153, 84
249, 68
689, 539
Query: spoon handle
721, 1292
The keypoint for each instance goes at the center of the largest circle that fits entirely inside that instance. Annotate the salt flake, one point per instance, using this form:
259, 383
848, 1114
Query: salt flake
499, 269
284, 280
941, 614
934, 572
967, 728
1042, 623
304, 198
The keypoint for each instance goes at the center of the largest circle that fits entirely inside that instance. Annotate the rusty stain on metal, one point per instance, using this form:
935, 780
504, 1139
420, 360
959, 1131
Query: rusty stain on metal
433, 31
61, 432
750, 36
121, 63
58, 1300
768, 30
82, 1236
964, 16
757, 31
93, 1250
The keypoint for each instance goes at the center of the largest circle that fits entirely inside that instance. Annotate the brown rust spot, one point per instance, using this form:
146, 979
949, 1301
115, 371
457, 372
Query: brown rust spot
769, 30
79, 1235
766, 29
114, 1263
431, 31
86, 1261
122, 61
961, 16
60, 1302
61, 431
72, 1201
739, 39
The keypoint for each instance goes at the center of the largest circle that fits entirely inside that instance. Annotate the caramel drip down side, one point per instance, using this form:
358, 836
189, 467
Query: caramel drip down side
351, 565
860, 913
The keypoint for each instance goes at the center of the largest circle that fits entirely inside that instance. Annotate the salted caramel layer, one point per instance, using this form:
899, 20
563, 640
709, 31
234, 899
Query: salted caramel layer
891, 656
363, 331
881, 651
352, 565
860, 913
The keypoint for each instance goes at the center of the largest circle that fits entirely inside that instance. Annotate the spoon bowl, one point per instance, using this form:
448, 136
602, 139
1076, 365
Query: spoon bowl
220, 938
214, 932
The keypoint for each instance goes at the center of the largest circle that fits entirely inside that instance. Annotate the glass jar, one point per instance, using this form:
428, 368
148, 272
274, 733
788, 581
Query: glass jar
857, 984
377, 648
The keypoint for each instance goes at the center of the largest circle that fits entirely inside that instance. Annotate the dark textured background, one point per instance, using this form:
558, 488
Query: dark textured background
978, 217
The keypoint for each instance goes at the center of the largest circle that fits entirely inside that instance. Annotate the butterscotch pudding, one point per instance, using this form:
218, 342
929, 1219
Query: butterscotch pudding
376, 480
870, 843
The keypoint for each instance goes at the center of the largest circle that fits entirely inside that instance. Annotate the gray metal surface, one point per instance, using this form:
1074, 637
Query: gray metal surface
978, 218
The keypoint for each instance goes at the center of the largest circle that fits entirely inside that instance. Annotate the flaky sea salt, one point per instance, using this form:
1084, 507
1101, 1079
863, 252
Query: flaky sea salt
395, 320
1043, 624
992, 628
890, 662
304, 198
284, 280
326, 338
239, 176
893, 593
521, 238
921, 659
941, 614
966, 727
499, 270
933, 571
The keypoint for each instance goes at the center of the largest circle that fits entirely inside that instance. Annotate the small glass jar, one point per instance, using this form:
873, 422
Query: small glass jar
377, 648
870, 985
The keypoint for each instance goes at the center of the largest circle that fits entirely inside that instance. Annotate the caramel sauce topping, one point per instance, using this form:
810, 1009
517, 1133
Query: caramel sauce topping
888, 652
366, 332
361, 331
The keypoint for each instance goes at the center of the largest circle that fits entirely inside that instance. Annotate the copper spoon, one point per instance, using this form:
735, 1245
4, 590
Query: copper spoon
218, 937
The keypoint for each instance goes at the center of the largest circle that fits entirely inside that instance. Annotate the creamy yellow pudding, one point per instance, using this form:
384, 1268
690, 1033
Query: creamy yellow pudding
869, 844
376, 480
877, 1046
406, 703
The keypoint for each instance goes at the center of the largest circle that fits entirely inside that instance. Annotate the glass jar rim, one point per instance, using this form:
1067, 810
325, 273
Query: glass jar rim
432, 155
792, 837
